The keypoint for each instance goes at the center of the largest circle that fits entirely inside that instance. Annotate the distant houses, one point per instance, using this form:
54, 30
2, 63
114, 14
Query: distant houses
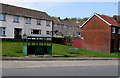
101, 33
64, 30
65, 27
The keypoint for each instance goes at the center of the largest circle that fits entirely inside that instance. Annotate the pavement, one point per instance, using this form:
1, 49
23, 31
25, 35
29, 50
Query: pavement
56, 58
39, 64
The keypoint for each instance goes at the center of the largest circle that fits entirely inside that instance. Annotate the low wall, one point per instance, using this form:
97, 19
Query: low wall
77, 43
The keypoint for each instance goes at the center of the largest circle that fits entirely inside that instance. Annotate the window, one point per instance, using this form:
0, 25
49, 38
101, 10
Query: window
77, 28
113, 29
16, 19
28, 20
48, 32
2, 17
47, 23
55, 25
56, 31
33, 31
118, 31
66, 26
2, 31
38, 22
58, 25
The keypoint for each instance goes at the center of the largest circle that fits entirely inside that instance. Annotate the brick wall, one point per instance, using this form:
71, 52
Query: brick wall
76, 43
96, 35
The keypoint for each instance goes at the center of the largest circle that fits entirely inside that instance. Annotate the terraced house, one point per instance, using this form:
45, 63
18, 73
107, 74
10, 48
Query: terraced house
17, 21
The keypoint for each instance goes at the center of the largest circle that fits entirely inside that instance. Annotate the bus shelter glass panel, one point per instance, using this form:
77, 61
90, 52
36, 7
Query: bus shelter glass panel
37, 45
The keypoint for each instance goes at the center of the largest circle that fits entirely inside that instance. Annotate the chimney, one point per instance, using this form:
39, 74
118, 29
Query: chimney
59, 18
115, 17
66, 18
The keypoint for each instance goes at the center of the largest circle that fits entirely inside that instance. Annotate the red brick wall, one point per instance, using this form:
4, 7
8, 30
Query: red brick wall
76, 43
97, 35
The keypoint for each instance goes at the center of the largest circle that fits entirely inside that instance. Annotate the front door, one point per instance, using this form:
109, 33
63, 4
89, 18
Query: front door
112, 45
118, 45
17, 33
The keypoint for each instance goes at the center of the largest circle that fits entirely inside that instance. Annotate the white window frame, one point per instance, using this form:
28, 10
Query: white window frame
38, 21
48, 23
27, 20
66, 26
40, 31
16, 19
2, 17
48, 32
55, 25
113, 29
2, 31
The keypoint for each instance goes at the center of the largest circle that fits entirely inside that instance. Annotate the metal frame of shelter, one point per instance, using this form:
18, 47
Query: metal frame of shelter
37, 45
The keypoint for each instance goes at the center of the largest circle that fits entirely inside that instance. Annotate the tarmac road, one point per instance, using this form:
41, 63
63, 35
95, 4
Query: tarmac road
60, 68
63, 71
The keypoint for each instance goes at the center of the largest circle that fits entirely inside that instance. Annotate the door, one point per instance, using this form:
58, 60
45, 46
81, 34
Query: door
118, 45
17, 33
112, 45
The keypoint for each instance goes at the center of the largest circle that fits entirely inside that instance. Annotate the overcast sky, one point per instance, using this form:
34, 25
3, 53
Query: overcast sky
69, 8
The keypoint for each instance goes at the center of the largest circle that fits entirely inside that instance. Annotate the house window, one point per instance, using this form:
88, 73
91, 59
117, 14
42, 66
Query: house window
28, 20
33, 31
48, 32
113, 30
66, 26
55, 25
77, 28
47, 23
58, 25
118, 31
2, 17
16, 19
38, 22
2, 31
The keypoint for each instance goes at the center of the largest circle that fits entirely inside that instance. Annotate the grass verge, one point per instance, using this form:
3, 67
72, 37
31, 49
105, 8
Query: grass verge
14, 49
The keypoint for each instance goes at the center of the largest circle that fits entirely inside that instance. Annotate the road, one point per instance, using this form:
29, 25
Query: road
63, 71
60, 68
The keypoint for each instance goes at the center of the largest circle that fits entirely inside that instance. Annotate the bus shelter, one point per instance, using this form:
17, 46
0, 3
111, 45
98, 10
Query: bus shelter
37, 45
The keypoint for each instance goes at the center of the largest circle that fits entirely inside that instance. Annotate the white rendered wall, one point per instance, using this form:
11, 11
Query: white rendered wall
26, 28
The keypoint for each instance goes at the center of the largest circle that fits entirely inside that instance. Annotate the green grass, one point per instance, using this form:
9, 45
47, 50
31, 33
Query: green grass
63, 50
14, 48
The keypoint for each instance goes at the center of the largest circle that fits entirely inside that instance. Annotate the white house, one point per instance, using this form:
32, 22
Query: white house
17, 21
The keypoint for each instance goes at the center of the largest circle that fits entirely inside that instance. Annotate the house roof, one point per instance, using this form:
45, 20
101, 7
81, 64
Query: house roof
14, 10
108, 20
66, 22
71, 23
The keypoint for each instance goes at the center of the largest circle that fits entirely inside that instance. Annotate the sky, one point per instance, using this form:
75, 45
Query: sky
70, 9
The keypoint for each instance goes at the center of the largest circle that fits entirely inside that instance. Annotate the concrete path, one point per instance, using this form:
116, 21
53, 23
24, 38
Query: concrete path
38, 64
